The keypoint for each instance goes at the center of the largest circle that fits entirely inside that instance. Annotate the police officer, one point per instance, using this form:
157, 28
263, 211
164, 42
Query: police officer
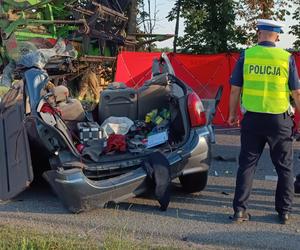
264, 77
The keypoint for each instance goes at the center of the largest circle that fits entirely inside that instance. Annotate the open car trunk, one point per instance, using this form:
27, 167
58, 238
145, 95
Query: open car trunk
161, 93
164, 114
83, 176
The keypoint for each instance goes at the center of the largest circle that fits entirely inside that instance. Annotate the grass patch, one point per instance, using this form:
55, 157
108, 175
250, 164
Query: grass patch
12, 238
121, 239
28, 239
3, 90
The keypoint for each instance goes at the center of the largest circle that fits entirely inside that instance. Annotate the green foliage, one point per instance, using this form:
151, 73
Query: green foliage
209, 26
165, 49
295, 29
213, 26
146, 22
248, 11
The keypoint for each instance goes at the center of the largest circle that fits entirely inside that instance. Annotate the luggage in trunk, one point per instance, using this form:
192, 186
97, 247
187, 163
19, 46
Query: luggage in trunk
117, 101
136, 104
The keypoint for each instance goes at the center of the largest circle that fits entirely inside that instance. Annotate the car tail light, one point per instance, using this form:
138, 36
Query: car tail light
196, 110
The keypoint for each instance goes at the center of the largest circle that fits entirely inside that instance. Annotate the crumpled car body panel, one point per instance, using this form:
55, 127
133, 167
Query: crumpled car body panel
78, 193
71, 183
15, 161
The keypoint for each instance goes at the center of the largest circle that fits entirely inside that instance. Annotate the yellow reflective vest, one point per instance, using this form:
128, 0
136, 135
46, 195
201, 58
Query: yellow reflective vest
265, 87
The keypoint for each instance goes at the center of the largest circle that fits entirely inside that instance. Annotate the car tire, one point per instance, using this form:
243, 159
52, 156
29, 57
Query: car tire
194, 182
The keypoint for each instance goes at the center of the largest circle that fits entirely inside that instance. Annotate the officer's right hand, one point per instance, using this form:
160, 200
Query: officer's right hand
232, 120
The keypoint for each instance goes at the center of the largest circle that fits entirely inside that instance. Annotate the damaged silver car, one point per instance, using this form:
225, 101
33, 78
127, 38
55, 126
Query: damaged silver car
34, 137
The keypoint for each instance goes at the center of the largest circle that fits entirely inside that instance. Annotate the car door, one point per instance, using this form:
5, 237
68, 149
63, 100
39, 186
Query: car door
15, 162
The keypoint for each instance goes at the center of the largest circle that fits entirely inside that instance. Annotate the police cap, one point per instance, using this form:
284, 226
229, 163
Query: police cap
270, 25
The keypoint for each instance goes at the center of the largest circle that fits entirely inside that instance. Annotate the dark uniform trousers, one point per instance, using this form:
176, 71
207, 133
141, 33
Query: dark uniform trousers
257, 130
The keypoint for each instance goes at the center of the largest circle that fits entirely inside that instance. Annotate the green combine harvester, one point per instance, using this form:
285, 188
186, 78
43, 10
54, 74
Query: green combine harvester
95, 28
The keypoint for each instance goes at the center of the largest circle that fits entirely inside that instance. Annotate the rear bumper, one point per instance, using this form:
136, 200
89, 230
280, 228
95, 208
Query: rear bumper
200, 157
79, 193
195, 156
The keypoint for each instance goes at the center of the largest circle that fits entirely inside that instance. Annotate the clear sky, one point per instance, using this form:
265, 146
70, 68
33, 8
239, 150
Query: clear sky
163, 26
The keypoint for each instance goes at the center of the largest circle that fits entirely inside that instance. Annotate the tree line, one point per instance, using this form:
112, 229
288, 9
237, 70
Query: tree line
214, 26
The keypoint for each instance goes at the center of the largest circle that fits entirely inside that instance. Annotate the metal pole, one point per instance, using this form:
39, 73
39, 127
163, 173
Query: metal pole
177, 25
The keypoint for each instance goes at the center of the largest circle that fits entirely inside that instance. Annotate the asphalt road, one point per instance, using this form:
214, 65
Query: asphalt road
192, 221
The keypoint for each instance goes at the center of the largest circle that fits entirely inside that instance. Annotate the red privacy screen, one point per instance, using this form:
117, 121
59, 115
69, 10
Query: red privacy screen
203, 73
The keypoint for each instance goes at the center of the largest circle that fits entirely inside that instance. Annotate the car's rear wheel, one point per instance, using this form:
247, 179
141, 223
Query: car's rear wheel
194, 182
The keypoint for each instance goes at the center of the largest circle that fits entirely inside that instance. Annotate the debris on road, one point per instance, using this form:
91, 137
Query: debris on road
225, 193
222, 158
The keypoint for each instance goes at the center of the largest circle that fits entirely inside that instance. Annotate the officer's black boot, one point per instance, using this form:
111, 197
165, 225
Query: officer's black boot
284, 218
240, 216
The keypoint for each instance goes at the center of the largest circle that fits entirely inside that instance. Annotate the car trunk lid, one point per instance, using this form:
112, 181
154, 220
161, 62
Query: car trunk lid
15, 162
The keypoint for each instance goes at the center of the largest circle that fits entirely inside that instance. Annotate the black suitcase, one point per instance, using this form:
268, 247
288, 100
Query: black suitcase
119, 101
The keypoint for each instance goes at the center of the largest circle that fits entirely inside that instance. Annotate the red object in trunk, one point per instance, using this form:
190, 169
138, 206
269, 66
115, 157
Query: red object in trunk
47, 108
196, 110
80, 147
116, 143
